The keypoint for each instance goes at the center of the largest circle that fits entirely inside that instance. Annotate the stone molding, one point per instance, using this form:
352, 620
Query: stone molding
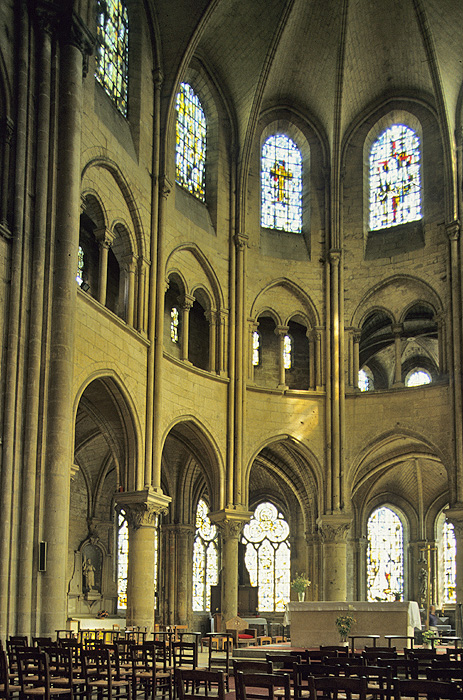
334, 528
230, 521
141, 508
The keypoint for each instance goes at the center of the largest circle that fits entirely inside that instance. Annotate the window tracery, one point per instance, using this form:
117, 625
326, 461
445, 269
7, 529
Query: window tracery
112, 53
395, 179
268, 556
190, 161
385, 556
205, 558
281, 184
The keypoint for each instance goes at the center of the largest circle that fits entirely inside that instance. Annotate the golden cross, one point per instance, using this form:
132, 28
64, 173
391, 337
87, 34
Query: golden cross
281, 175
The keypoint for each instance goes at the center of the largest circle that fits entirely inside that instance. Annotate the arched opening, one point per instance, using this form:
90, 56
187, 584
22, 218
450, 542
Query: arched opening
385, 555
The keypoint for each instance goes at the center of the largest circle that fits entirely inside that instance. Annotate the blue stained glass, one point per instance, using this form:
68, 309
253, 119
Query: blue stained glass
281, 184
395, 185
112, 52
190, 158
385, 556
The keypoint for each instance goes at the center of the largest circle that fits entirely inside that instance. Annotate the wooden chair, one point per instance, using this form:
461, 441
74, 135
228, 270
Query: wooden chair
252, 666
100, 677
146, 676
315, 655
270, 685
7, 687
418, 688
194, 684
62, 671
185, 655
304, 671
333, 687
379, 679
34, 676
449, 674
329, 649
241, 634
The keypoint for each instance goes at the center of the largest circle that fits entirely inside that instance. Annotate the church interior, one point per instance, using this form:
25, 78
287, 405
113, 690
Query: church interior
231, 308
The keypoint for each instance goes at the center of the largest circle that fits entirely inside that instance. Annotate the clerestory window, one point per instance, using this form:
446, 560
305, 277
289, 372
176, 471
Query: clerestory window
190, 160
112, 51
281, 184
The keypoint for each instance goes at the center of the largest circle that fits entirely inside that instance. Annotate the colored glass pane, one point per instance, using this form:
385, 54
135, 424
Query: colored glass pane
122, 560
255, 348
205, 558
287, 352
268, 556
418, 378
174, 325
112, 51
363, 381
80, 266
395, 182
450, 563
385, 556
281, 184
190, 158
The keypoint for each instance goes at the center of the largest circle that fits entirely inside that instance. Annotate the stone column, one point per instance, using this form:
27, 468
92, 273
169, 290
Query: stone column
231, 523
105, 240
7, 127
253, 326
127, 291
211, 317
186, 306
222, 348
184, 578
281, 331
142, 294
142, 509
58, 453
362, 568
318, 358
356, 357
334, 530
442, 343
397, 330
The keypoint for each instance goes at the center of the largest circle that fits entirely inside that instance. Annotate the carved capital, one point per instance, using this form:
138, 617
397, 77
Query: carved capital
165, 186
334, 528
142, 507
335, 257
281, 331
158, 78
104, 237
241, 241
230, 521
453, 230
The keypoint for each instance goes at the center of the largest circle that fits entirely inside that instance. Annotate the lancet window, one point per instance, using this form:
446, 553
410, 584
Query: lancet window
287, 352
174, 324
268, 556
205, 558
281, 184
256, 349
395, 178
190, 161
449, 560
122, 560
112, 52
385, 556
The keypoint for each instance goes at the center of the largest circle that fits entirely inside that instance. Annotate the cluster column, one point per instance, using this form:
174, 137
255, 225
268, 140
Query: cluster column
334, 531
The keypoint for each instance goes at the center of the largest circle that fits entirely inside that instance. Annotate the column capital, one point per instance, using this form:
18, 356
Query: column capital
334, 257
142, 507
334, 528
230, 521
453, 230
158, 78
165, 186
241, 241
281, 331
104, 236
187, 302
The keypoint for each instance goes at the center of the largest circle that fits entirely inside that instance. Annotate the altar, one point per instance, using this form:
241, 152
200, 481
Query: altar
313, 623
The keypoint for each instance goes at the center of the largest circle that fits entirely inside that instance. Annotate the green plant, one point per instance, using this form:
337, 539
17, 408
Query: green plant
300, 583
429, 634
344, 624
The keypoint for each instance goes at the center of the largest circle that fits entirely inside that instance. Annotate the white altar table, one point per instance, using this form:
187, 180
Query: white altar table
313, 624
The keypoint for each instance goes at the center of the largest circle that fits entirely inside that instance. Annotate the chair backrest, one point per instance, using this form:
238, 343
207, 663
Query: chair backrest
96, 664
4, 676
414, 688
283, 660
330, 649
388, 650
195, 683
34, 672
452, 674
185, 653
270, 683
252, 666
310, 655
335, 686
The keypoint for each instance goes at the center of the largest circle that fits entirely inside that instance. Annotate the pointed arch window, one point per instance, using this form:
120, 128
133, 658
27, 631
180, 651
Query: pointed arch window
122, 560
449, 554
268, 556
395, 178
281, 184
205, 558
190, 160
174, 320
256, 349
385, 556
287, 352
112, 52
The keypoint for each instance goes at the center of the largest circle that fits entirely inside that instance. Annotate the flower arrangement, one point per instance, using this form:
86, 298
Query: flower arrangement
300, 583
343, 624
101, 614
429, 634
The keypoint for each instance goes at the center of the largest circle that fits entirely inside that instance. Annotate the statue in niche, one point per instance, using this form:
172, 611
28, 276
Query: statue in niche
92, 564
423, 582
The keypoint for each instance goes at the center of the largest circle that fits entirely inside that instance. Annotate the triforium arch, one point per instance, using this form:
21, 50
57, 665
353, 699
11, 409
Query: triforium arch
192, 467
106, 454
405, 470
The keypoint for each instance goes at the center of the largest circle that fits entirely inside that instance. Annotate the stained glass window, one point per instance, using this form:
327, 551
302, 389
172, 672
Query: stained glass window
205, 558
385, 556
365, 382
418, 377
174, 324
450, 564
395, 183
256, 348
112, 52
190, 158
80, 266
268, 556
287, 352
281, 184
122, 560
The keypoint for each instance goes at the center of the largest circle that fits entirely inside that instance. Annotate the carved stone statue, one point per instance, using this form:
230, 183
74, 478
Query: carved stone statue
423, 581
89, 573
